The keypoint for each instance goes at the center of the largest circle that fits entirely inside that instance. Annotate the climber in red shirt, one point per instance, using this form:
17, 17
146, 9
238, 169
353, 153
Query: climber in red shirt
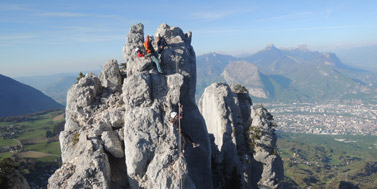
139, 53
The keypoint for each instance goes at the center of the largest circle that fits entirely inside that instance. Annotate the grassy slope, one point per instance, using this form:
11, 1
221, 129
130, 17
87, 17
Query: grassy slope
320, 161
7, 142
36, 168
34, 134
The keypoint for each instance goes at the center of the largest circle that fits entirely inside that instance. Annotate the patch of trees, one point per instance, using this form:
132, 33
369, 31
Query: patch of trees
36, 172
7, 166
58, 127
81, 75
27, 117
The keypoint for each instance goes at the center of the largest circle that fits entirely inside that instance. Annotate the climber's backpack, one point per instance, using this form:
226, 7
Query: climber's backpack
147, 46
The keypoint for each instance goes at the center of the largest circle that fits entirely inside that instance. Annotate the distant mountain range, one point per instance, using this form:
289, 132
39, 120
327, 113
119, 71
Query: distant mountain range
296, 74
55, 86
17, 98
271, 74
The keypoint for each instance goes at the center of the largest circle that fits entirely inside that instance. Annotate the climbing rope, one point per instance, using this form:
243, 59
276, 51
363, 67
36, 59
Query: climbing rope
179, 133
180, 144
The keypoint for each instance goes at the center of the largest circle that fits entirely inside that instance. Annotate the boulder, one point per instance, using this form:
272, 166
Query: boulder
112, 143
110, 76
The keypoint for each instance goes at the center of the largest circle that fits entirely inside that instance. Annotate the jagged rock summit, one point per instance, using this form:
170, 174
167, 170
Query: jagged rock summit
118, 132
243, 139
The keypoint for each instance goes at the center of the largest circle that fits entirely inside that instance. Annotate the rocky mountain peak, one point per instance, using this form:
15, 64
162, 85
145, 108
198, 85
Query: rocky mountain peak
119, 134
246, 73
302, 48
270, 47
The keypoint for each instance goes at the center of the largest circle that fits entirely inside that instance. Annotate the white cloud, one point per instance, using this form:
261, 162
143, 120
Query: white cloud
285, 16
214, 15
321, 28
208, 16
84, 29
15, 39
216, 31
16, 36
14, 7
60, 14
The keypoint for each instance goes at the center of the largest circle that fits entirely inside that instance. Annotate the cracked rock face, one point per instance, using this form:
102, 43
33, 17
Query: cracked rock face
110, 76
265, 148
151, 145
229, 117
118, 132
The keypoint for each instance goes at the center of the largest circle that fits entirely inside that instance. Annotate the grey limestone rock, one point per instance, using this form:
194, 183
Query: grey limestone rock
118, 133
264, 139
120, 136
86, 163
112, 143
220, 107
135, 39
110, 76
114, 117
83, 172
151, 142
244, 142
81, 95
136, 90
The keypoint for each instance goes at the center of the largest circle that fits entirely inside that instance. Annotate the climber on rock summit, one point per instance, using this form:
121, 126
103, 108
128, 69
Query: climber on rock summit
151, 53
185, 136
161, 43
139, 53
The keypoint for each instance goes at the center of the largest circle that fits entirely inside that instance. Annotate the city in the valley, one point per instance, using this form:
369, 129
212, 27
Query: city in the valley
331, 118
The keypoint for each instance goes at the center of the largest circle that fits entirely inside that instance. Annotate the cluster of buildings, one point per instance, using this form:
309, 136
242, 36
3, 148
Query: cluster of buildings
9, 132
332, 118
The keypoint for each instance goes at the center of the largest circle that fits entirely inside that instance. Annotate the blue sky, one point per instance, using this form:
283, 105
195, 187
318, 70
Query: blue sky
43, 36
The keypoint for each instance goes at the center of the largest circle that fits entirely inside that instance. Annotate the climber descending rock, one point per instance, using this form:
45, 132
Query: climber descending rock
175, 119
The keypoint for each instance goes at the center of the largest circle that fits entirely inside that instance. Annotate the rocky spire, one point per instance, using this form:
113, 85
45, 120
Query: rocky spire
118, 133
149, 99
243, 148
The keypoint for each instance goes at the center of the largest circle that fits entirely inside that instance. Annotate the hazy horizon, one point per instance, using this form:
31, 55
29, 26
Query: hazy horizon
44, 37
